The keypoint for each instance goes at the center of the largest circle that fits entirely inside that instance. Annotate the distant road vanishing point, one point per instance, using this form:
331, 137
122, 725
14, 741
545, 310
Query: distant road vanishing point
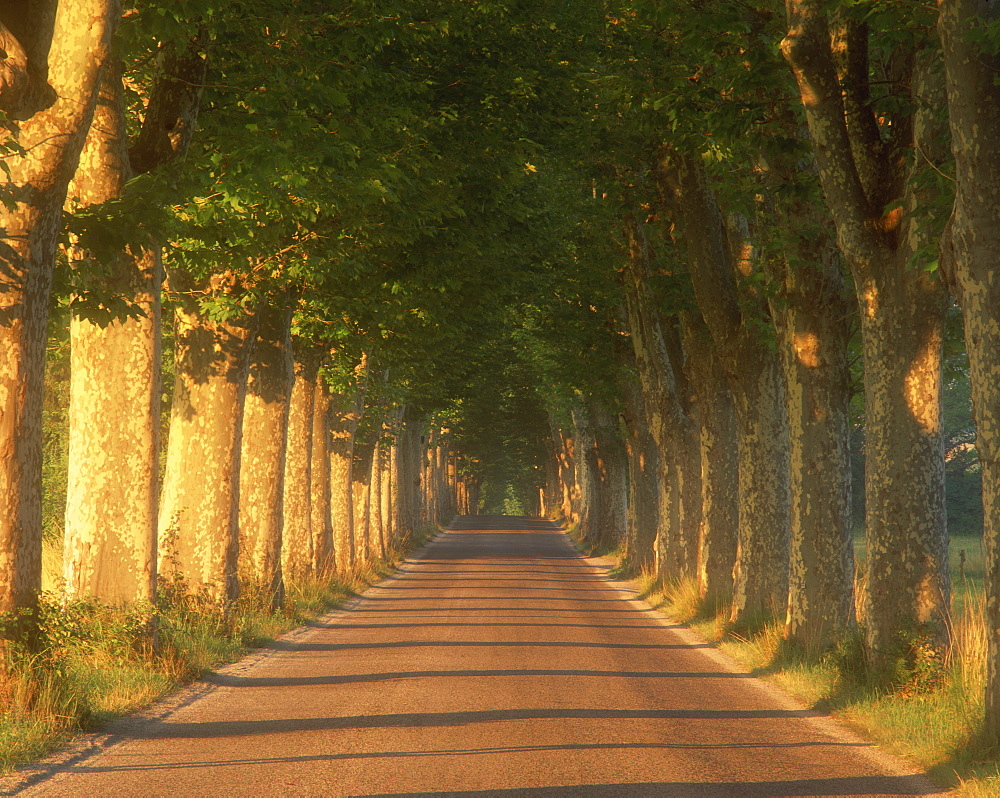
497, 662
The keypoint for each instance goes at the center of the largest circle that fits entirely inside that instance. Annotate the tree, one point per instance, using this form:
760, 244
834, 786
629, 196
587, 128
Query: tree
263, 453
873, 165
968, 31
49, 93
111, 534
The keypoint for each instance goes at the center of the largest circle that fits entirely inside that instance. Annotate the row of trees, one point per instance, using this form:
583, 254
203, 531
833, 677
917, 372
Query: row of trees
300, 211
786, 187
624, 252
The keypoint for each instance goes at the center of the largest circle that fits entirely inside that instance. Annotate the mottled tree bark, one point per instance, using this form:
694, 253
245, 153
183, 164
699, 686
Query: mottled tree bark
586, 472
262, 459
643, 495
753, 370
114, 415
297, 553
671, 426
376, 534
563, 446
812, 318
974, 252
110, 543
717, 535
199, 510
56, 116
361, 480
389, 465
408, 483
902, 312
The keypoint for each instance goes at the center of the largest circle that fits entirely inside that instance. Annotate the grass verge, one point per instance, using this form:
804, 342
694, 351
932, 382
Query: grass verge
87, 663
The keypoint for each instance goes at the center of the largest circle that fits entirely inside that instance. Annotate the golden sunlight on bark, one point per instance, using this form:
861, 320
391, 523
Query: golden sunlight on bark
921, 387
869, 299
806, 349
744, 259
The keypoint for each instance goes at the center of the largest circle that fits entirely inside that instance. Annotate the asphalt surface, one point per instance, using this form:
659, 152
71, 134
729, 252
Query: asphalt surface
498, 662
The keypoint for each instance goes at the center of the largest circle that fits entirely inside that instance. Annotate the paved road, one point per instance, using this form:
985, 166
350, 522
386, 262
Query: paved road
499, 662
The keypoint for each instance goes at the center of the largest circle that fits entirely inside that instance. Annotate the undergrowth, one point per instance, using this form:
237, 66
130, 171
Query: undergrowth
70, 666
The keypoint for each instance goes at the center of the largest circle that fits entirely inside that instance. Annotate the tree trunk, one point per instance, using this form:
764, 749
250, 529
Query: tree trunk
566, 479
902, 315
326, 557
671, 426
110, 544
552, 494
361, 476
642, 476
262, 459
376, 532
114, 416
297, 545
587, 476
813, 323
56, 118
199, 512
408, 488
717, 534
393, 475
974, 112
754, 373
345, 416
612, 477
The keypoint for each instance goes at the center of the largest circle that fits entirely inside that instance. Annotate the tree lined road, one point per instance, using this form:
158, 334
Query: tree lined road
498, 661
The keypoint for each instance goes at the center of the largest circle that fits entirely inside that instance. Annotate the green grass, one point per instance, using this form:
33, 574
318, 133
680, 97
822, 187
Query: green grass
89, 663
931, 718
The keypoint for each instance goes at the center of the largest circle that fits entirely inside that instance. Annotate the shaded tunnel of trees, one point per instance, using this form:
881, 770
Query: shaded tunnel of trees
279, 288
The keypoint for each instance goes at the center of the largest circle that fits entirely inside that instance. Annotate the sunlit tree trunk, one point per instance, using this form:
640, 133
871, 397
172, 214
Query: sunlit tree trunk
110, 543
552, 493
54, 119
586, 468
114, 415
385, 492
262, 459
683, 547
408, 483
376, 540
361, 480
199, 510
875, 199
672, 428
326, 556
297, 553
562, 444
974, 112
